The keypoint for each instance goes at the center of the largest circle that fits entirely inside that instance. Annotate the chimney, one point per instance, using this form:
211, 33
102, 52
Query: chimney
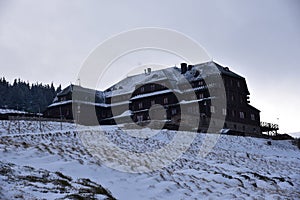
183, 68
149, 70
190, 67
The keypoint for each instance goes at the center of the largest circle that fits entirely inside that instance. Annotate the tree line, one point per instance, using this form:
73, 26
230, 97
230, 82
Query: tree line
21, 95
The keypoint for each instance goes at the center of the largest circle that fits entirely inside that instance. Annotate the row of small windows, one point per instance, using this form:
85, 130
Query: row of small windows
232, 83
153, 87
152, 102
242, 114
233, 98
195, 110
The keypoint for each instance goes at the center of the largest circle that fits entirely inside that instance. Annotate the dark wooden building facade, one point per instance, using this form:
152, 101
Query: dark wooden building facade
174, 96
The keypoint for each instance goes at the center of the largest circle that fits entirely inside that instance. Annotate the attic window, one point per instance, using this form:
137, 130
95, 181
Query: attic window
226, 69
155, 76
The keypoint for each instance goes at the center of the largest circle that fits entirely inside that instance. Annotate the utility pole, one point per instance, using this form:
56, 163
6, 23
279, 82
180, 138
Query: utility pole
60, 117
40, 118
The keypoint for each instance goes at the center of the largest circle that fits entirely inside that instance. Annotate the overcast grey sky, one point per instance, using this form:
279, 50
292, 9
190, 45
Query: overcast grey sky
47, 41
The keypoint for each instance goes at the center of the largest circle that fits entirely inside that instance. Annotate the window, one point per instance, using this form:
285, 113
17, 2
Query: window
252, 117
238, 84
140, 105
142, 89
140, 118
152, 102
201, 96
152, 87
195, 110
242, 115
233, 113
224, 111
174, 111
165, 100
232, 98
212, 109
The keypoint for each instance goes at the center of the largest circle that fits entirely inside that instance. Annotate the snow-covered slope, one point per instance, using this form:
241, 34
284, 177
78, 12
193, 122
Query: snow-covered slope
236, 168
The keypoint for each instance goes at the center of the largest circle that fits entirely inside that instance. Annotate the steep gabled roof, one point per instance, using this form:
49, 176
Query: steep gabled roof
227, 71
71, 88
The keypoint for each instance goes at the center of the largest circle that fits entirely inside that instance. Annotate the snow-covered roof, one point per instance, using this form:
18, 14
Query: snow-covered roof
151, 94
11, 111
81, 92
171, 75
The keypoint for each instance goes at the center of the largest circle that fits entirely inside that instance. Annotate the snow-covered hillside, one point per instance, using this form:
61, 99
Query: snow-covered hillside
55, 164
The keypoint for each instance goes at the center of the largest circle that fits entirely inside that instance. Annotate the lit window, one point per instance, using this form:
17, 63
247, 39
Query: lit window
212, 109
